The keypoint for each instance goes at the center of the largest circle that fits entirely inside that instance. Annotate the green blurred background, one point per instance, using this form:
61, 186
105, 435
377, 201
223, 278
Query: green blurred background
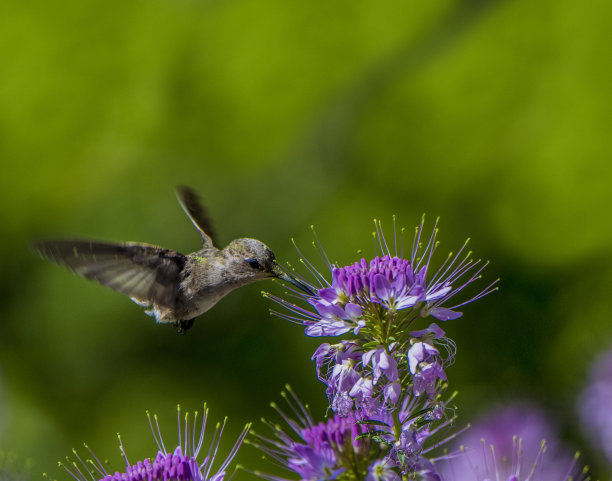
494, 115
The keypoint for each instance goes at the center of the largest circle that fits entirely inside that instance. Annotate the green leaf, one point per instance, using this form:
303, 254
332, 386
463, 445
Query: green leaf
372, 422
372, 434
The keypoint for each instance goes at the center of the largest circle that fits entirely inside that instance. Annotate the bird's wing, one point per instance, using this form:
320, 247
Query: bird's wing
190, 202
146, 273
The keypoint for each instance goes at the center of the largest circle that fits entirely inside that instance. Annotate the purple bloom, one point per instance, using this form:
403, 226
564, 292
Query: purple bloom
513, 449
315, 451
383, 470
387, 376
391, 282
424, 366
328, 356
431, 332
382, 363
341, 403
335, 320
410, 285
343, 446
378, 301
419, 353
427, 377
343, 377
363, 392
594, 405
180, 464
411, 436
392, 392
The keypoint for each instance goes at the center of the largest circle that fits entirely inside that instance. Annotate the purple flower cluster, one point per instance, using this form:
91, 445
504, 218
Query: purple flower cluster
383, 373
513, 443
316, 451
181, 464
346, 446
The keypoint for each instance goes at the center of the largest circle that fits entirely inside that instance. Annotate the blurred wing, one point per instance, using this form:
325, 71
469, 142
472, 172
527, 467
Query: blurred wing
147, 273
190, 202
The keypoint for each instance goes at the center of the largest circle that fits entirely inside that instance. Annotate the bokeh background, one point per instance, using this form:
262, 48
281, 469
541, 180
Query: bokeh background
494, 115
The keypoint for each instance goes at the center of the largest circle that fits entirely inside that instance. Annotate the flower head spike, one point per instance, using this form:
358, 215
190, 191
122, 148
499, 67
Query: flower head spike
180, 464
374, 303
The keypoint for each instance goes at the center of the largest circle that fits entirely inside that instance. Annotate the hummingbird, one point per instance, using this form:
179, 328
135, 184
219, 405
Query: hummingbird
175, 288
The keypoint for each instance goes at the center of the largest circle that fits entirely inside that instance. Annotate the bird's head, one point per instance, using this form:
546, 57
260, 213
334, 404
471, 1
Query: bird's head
254, 260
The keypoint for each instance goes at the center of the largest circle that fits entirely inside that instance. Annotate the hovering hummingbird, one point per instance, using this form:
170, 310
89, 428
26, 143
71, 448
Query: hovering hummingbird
175, 288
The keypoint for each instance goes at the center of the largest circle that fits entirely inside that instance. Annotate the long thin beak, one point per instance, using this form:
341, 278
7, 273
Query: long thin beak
282, 275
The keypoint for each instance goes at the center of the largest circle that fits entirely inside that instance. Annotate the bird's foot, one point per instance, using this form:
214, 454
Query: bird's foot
183, 326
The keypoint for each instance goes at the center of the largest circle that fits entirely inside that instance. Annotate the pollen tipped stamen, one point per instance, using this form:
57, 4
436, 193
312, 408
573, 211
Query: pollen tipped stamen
232, 454
122, 449
78, 470
216, 441
445, 274
382, 242
317, 245
202, 430
475, 276
432, 244
416, 241
178, 422
98, 466
295, 425
306, 263
193, 435
294, 320
180, 465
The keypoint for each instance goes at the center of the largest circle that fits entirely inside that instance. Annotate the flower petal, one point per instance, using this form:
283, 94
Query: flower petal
329, 311
444, 314
328, 294
353, 311
381, 287
436, 292
327, 327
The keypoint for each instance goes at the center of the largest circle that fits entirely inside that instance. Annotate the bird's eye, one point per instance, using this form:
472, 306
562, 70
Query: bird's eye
254, 263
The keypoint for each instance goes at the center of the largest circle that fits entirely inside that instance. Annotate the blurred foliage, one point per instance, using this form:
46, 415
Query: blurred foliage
494, 115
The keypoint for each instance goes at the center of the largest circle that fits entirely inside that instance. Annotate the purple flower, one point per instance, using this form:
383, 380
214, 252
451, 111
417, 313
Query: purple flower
424, 366
377, 301
509, 445
314, 451
328, 356
392, 392
411, 442
383, 470
594, 405
419, 353
427, 377
430, 333
180, 464
341, 403
408, 285
343, 377
334, 320
363, 394
382, 363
